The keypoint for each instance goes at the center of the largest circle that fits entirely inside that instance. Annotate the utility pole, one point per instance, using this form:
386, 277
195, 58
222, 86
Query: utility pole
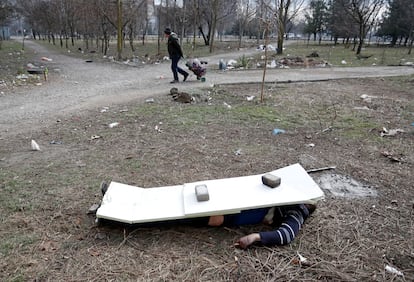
119, 29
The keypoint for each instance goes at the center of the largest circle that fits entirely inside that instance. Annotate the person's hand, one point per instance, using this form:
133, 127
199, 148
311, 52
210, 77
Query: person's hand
246, 241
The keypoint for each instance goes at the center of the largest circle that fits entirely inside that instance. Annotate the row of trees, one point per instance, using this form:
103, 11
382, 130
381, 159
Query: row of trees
100, 20
354, 19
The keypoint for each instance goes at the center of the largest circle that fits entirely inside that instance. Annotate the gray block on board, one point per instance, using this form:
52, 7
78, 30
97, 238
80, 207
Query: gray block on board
271, 180
202, 193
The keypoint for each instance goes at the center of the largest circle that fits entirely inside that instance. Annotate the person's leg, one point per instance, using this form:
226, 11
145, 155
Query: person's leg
174, 66
183, 72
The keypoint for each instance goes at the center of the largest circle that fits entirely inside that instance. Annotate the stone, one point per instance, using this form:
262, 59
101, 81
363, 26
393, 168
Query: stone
271, 180
201, 192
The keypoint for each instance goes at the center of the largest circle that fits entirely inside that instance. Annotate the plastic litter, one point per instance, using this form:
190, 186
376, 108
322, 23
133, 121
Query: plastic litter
222, 65
277, 131
302, 259
393, 270
227, 105
35, 146
391, 132
111, 125
250, 98
158, 129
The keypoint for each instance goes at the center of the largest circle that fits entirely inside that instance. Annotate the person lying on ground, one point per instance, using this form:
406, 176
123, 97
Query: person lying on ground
287, 221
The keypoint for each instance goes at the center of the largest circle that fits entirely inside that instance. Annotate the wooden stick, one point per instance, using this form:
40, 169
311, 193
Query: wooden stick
320, 169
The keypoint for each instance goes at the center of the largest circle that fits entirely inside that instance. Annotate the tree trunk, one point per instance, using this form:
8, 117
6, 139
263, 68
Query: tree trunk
204, 36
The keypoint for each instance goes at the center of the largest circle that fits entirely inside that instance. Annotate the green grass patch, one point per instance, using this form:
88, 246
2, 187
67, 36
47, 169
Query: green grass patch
18, 242
13, 60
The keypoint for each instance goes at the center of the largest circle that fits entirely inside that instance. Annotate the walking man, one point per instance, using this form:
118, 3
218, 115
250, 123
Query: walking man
176, 53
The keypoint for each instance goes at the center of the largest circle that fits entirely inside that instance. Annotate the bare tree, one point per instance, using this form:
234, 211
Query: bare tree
244, 16
283, 12
365, 14
6, 13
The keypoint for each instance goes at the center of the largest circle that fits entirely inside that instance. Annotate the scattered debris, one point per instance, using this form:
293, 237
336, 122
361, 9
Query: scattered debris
111, 125
321, 169
314, 54
182, 97
123, 110
104, 109
149, 100
301, 260
173, 90
272, 64
94, 137
343, 62
222, 65
238, 152
250, 98
158, 129
277, 131
364, 108
367, 98
393, 270
310, 145
54, 142
391, 132
231, 64
392, 157
35, 146
46, 59
22, 76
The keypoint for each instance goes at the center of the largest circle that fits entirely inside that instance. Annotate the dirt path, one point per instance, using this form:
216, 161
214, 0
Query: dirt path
75, 85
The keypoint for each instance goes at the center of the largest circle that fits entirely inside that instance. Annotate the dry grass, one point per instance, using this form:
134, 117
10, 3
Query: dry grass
46, 234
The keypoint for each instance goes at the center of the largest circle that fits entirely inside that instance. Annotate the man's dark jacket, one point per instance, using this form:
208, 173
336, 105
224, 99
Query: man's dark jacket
174, 48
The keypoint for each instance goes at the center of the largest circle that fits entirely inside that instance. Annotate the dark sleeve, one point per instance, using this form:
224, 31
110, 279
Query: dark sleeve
290, 225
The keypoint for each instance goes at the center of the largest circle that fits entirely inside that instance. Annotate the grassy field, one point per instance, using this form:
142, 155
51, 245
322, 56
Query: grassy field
47, 235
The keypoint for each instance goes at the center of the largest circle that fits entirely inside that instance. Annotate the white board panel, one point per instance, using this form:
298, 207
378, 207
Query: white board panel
131, 204
241, 193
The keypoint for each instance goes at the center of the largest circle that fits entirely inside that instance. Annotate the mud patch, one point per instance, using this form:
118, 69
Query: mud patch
345, 186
